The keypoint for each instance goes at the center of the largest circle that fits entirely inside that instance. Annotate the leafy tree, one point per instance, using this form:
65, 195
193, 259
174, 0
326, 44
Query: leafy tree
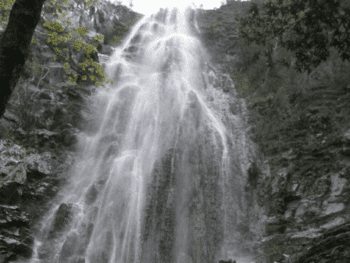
308, 28
16, 39
59, 33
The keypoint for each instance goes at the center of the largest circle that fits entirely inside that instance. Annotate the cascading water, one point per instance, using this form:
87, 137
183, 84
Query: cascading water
160, 172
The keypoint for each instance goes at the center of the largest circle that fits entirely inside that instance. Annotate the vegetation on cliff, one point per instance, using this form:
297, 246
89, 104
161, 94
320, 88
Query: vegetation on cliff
298, 96
55, 68
62, 28
277, 80
309, 29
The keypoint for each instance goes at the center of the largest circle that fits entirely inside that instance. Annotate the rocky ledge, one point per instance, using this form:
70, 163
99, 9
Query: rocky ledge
29, 180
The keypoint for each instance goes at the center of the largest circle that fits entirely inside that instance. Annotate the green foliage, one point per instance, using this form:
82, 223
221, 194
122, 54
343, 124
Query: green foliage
266, 90
98, 38
270, 90
78, 44
60, 33
282, 92
308, 28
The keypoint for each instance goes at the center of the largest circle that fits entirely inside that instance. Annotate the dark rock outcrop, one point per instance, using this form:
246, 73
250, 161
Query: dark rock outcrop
332, 246
63, 217
253, 175
227, 261
302, 190
27, 188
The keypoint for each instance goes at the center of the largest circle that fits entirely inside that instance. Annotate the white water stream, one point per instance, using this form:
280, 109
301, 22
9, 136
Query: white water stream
159, 175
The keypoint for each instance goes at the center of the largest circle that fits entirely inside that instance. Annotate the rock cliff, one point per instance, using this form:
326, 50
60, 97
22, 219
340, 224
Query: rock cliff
299, 196
39, 128
302, 190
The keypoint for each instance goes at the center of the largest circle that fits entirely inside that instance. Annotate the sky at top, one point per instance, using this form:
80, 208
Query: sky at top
148, 7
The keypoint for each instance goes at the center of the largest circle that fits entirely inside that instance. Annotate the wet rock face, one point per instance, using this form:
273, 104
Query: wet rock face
75, 243
253, 175
91, 195
104, 49
332, 246
62, 219
302, 219
15, 235
25, 191
11, 193
307, 198
68, 249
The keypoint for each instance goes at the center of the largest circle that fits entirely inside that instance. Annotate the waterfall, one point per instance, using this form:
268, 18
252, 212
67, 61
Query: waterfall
160, 172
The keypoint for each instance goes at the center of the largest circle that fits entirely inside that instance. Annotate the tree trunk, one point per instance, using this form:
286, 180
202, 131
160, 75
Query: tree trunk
14, 45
